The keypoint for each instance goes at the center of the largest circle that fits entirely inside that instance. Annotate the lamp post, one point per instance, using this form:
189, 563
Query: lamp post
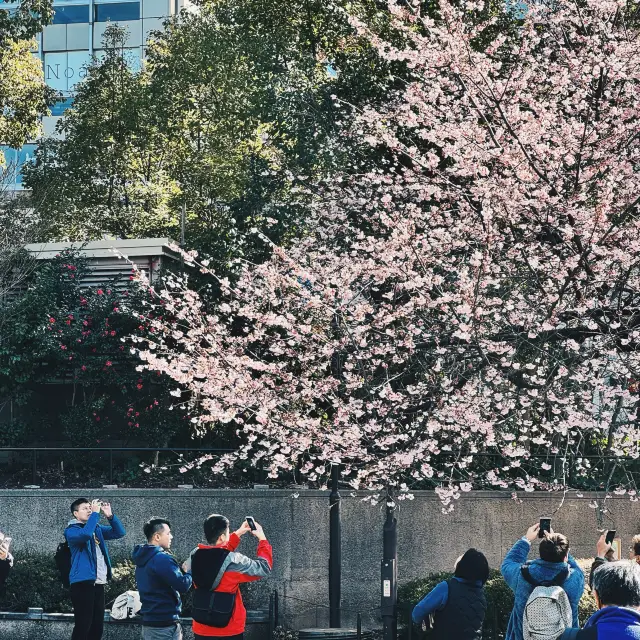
335, 550
389, 573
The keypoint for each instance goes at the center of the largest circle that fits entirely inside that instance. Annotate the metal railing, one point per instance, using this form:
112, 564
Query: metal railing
110, 450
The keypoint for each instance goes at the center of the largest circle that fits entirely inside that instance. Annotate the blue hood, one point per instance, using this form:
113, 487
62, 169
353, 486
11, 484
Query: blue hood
142, 553
543, 570
616, 622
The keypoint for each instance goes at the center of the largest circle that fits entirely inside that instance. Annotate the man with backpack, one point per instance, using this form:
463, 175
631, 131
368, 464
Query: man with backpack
616, 587
218, 570
547, 590
160, 582
90, 564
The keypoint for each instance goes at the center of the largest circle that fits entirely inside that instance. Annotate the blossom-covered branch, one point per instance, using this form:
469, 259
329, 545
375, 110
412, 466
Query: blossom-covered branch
466, 313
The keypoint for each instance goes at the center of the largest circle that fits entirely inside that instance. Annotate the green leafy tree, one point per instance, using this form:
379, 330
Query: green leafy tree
230, 118
23, 93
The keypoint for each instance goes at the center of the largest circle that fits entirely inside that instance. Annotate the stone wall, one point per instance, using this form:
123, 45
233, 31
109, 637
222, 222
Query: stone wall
60, 626
297, 524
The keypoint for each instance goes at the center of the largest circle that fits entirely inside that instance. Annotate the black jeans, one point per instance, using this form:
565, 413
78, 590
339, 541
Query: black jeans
88, 610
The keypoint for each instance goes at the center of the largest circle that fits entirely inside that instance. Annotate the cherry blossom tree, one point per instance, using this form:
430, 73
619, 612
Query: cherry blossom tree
466, 313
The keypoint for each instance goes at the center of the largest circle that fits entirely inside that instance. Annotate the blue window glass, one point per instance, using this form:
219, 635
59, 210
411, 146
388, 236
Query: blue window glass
15, 158
114, 11
71, 14
61, 106
25, 154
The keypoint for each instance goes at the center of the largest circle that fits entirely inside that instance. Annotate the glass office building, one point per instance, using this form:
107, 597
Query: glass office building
66, 47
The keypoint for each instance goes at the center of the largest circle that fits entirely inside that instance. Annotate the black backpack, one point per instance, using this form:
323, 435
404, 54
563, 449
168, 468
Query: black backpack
213, 608
63, 562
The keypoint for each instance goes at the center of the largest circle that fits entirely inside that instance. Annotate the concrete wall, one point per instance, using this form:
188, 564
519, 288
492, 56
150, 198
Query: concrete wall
298, 528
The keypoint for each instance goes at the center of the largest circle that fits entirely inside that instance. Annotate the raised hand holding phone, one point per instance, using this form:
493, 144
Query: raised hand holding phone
602, 546
545, 527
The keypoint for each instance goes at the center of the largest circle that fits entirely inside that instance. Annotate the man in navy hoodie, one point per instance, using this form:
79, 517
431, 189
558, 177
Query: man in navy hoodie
90, 564
160, 583
616, 588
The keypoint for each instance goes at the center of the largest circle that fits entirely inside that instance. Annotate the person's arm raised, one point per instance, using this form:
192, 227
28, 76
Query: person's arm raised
81, 535
115, 529
517, 556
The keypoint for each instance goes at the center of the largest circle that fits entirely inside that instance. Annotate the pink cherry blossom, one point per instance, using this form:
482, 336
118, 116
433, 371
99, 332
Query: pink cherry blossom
468, 312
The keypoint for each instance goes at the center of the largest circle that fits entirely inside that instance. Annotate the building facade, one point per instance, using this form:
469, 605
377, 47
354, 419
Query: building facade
67, 46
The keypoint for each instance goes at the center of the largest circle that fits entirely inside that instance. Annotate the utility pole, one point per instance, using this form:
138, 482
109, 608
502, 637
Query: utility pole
389, 573
335, 551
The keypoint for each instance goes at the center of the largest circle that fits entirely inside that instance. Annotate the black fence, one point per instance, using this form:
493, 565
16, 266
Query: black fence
30, 454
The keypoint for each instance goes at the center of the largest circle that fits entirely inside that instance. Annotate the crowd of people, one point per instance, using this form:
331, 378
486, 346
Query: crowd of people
547, 592
215, 570
547, 589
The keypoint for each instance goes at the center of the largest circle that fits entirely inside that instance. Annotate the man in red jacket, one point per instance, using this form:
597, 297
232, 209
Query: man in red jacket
219, 567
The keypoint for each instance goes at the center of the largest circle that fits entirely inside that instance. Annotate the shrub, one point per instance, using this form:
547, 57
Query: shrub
499, 600
124, 579
34, 582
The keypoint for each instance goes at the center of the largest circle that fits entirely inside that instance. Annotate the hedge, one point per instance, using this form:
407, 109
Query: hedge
499, 601
34, 582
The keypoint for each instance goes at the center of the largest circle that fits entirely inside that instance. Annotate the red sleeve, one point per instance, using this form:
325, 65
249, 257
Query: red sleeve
234, 542
265, 551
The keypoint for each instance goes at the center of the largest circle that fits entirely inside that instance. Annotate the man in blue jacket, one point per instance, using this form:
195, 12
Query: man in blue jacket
160, 583
616, 587
554, 559
90, 564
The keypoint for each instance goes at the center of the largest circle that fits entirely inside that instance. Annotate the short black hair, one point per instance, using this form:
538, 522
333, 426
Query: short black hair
214, 526
473, 566
153, 526
76, 503
618, 583
554, 547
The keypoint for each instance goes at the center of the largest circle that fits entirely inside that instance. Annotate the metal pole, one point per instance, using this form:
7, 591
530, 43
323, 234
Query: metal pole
272, 625
110, 466
35, 456
335, 551
389, 574
183, 220
276, 607
359, 626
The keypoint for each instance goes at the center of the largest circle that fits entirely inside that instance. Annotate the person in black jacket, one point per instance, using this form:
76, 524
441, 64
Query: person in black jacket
6, 562
457, 606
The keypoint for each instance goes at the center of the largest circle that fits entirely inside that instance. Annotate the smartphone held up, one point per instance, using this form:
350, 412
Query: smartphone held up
545, 527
